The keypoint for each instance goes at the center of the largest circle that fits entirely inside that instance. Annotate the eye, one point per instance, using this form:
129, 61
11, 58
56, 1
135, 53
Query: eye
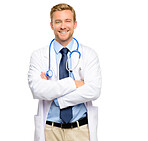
68, 21
57, 22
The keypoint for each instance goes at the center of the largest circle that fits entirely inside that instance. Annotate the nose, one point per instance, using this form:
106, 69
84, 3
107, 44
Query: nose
63, 25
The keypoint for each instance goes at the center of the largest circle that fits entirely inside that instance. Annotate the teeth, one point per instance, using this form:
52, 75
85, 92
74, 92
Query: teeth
63, 31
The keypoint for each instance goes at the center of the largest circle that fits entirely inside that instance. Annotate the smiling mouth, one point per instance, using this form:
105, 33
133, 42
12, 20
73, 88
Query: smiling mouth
63, 32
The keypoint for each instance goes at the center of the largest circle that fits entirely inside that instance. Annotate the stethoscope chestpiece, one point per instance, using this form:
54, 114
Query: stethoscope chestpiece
49, 73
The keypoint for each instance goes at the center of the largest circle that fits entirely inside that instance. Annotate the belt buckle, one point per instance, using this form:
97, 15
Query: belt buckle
71, 125
61, 125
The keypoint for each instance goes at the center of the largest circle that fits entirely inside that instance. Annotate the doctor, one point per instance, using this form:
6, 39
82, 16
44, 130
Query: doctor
65, 110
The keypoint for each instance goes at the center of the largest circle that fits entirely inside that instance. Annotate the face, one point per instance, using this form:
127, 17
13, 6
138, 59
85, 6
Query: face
63, 26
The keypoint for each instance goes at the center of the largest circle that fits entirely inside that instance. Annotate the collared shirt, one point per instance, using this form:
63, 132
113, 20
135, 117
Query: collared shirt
79, 111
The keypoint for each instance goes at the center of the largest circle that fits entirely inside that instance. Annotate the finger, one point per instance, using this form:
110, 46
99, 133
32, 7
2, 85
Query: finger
45, 75
42, 77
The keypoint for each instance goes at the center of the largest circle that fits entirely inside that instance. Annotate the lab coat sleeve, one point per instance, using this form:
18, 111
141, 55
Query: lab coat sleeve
92, 78
46, 89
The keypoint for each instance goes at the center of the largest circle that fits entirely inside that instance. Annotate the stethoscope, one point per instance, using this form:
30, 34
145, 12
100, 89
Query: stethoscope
49, 73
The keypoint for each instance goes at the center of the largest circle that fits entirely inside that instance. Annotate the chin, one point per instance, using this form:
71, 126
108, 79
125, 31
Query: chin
65, 39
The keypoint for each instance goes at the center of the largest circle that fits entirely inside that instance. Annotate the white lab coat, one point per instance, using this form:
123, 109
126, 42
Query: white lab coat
65, 90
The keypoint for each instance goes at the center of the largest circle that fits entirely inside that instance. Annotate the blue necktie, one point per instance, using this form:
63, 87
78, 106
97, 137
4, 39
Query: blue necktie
66, 113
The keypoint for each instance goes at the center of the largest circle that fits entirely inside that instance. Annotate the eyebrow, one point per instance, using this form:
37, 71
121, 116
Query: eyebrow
57, 20
65, 20
68, 19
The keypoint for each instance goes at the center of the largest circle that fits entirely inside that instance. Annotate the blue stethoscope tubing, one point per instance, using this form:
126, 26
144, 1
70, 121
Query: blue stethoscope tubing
49, 73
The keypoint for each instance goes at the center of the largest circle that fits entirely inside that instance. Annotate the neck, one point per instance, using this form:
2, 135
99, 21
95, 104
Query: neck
64, 43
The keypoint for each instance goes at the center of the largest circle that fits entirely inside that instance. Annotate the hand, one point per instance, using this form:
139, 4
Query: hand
43, 75
79, 83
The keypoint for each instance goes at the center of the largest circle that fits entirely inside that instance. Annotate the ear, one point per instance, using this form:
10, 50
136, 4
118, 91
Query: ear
51, 24
75, 24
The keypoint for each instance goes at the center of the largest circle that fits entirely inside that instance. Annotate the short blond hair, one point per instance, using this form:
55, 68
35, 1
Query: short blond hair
61, 7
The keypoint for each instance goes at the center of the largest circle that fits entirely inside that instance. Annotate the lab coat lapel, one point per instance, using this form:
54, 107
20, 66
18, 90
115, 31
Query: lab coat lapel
53, 63
74, 61
53, 67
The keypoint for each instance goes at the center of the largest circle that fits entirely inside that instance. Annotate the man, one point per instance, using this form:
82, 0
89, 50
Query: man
65, 111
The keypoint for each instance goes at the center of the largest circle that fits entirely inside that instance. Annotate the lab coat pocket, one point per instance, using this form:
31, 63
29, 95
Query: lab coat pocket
38, 135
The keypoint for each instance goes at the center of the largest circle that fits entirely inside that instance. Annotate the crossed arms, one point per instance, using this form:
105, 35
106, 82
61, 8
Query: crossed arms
77, 83
67, 91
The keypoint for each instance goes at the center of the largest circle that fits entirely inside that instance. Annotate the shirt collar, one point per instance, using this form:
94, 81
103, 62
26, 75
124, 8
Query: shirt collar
57, 46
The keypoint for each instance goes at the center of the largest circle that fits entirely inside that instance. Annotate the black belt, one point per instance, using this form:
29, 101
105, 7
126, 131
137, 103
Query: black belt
69, 125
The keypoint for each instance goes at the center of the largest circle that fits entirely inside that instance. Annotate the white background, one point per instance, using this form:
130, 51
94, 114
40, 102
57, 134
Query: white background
116, 29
